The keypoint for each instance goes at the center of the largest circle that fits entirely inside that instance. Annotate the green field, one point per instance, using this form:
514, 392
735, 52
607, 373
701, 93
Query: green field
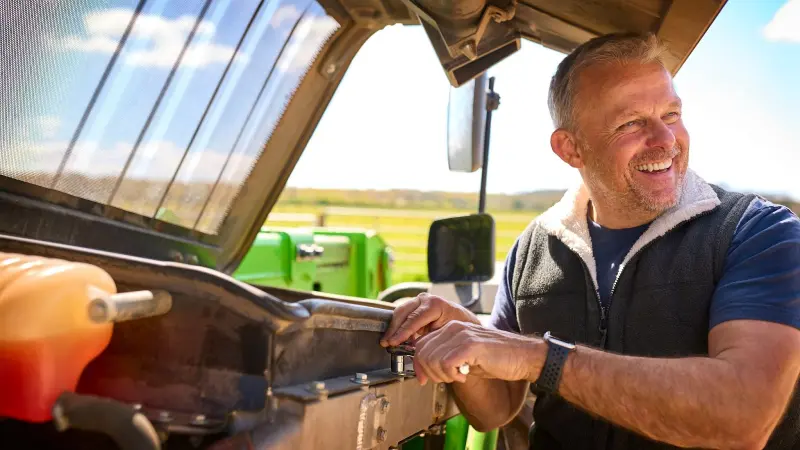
406, 230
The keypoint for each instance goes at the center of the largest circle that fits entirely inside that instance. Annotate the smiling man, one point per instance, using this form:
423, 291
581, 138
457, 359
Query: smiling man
647, 309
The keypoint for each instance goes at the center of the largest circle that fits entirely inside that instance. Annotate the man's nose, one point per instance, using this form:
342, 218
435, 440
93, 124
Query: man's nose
660, 135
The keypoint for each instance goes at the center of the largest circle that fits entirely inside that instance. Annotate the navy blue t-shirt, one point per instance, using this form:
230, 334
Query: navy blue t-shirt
761, 275
610, 247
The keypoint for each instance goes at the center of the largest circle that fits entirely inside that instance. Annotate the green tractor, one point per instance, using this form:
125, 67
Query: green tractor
350, 262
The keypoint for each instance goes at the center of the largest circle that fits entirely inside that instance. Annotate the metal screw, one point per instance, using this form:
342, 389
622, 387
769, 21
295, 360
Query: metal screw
385, 406
137, 406
192, 259
199, 419
469, 50
176, 256
360, 378
330, 69
164, 416
317, 386
381, 434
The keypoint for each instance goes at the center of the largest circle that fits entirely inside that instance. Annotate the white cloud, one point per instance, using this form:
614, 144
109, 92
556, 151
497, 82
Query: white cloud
284, 14
154, 41
785, 25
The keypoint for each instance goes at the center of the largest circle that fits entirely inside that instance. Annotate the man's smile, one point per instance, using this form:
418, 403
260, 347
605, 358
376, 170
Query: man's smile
656, 167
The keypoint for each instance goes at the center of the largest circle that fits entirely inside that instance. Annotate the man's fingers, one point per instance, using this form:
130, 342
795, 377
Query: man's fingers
398, 317
455, 358
429, 352
416, 320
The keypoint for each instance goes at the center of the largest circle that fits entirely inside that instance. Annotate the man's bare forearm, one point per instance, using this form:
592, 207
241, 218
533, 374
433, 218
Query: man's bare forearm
692, 402
489, 403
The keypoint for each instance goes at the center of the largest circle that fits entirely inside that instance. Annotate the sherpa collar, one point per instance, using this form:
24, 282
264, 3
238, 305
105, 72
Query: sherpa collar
567, 219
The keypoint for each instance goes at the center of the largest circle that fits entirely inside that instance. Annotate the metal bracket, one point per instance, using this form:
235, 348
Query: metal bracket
372, 421
467, 46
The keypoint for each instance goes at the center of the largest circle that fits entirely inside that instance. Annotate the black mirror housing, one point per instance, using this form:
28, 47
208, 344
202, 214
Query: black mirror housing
462, 249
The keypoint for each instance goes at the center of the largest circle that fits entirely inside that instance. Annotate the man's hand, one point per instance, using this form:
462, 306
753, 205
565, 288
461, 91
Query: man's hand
420, 316
490, 353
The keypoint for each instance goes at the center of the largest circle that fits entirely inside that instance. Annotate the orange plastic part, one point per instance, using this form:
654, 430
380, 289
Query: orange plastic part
46, 336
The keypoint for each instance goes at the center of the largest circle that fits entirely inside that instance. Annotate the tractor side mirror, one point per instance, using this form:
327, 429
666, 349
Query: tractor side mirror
466, 118
461, 249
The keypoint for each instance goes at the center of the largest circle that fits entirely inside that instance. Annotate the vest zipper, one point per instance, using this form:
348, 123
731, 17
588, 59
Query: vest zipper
604, 314
602, 328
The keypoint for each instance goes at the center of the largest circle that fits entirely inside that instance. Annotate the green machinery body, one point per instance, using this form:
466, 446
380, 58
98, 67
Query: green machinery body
343, 261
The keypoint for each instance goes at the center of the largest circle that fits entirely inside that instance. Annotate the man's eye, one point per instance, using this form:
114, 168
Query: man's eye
628, 125
674, 115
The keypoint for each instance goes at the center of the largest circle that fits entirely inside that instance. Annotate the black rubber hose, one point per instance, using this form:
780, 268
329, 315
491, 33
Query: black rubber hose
129, 428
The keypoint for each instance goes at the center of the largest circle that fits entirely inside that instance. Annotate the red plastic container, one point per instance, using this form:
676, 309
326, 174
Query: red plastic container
46, 336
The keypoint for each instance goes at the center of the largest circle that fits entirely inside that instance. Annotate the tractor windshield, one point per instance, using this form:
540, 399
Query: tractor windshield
156, 107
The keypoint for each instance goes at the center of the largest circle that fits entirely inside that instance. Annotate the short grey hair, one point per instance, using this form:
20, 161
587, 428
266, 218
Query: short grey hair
617, 47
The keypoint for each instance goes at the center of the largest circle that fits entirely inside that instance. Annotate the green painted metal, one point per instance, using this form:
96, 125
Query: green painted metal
481, 441
354, 262
456, 431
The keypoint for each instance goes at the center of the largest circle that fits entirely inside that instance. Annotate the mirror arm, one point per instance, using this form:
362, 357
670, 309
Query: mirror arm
492, 103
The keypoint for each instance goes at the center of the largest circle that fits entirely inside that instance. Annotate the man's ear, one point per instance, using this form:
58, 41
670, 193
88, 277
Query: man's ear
565, 146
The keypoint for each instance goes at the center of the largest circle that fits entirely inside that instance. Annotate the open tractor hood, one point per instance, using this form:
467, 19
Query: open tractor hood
96, 170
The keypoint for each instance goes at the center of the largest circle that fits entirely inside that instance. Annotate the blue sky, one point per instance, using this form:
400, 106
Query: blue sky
740, 89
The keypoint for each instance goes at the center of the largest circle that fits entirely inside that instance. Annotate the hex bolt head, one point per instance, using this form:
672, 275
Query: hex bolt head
361, 378
381, 434
385, 406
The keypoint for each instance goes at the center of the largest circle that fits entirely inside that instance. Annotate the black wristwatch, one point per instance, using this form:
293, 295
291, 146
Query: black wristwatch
557, 352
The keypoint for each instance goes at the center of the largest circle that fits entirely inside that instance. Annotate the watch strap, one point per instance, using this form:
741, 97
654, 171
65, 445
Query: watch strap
550, 376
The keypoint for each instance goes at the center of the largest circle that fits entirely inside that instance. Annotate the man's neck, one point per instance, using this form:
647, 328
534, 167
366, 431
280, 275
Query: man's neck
618, 218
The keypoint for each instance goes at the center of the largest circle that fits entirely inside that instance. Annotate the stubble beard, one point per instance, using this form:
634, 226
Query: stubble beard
632, 200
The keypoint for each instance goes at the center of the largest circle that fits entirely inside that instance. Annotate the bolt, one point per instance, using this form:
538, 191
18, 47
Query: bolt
317, 386
385, 406
192, 259
176, 256
469, 50
381, 434
442, 387
199, 419
361, 378
164, 416
137, 406
330, 69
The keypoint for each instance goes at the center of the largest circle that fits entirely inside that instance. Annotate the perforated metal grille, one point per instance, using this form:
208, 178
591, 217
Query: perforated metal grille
158, 107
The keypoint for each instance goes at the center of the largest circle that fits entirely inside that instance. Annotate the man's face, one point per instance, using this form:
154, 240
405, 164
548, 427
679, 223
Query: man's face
631, 139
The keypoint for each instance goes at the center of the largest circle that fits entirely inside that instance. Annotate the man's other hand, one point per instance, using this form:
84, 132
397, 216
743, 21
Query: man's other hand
490, 353
422, 315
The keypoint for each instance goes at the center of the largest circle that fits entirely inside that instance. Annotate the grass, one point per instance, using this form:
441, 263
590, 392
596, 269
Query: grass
405, 230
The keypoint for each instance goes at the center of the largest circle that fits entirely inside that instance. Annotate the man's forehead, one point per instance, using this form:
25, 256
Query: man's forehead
622, 87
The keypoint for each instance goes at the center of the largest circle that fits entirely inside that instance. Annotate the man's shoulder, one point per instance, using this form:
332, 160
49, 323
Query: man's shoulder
765, 216
761, 278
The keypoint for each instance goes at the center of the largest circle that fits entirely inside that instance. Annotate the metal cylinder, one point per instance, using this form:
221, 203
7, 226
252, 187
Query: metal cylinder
398, 364
129, 306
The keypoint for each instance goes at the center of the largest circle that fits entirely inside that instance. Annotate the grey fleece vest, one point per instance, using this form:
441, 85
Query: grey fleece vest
659, 307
